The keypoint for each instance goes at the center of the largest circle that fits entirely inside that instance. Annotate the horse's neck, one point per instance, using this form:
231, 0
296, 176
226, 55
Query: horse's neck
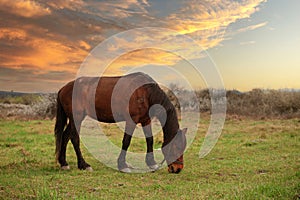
171, 126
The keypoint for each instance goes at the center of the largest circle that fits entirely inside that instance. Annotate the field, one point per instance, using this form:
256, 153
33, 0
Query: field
253, 159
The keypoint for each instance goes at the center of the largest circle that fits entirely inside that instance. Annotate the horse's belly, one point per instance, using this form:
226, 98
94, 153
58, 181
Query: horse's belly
108, 117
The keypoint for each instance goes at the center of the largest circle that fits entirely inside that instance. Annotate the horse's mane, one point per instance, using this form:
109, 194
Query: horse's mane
158, 96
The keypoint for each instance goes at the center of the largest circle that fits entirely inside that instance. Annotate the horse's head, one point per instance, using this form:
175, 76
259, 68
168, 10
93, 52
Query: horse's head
173, 152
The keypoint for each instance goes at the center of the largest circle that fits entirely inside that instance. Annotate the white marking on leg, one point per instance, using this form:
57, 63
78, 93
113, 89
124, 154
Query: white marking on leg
67, 167
154, 167
125, 170
89, 169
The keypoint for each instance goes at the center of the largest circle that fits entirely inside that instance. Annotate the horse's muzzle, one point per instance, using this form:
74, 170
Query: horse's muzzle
176, 166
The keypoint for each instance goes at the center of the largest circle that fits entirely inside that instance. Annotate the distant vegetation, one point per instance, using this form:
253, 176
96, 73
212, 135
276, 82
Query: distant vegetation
264, 103
256, 103
19, 98
27, 106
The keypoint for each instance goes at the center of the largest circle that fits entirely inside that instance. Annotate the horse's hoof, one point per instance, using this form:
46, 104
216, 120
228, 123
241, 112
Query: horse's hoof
67, 167
125, 170
89, 169
130, 166
154, 167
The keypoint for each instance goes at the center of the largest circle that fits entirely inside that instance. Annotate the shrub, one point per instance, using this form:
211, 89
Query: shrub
29, 106
264, 103
255, 103
46, 106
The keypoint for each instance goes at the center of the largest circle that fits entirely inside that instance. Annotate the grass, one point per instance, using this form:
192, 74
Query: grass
253, 159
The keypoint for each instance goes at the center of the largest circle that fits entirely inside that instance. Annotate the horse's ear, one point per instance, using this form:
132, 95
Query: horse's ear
184, 130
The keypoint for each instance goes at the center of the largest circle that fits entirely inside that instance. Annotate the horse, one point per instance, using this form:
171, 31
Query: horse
126, 98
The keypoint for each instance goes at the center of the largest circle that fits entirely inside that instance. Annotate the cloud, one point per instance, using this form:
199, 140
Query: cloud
208, 20
37, 52
204, 21
62, 4
12, 34
142, 57
84, 45
248, 42
120, 9
54, 36
32, 80
252, 27
24, 8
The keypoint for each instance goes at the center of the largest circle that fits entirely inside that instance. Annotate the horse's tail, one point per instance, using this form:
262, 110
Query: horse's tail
61, 121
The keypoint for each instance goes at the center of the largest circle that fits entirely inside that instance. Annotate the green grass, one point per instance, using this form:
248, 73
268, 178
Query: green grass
252, 160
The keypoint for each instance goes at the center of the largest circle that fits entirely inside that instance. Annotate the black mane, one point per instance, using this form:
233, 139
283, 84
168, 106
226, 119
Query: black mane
158, 96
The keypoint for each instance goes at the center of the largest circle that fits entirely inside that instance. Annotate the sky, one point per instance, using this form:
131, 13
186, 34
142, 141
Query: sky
250, 43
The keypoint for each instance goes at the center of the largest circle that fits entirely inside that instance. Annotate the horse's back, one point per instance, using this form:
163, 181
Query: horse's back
117, 98
106, 92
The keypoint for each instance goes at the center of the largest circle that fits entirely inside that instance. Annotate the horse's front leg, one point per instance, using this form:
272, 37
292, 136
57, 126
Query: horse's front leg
149, 139
122, 165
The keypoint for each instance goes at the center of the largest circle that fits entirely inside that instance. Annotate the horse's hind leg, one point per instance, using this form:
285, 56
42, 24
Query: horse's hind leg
122, 165
62, 155
149, 139
75, 139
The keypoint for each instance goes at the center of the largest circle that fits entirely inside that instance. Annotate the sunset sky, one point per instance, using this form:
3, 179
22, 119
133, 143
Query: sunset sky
253, 43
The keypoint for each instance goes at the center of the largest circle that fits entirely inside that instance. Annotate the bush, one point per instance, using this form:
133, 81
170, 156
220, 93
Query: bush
26, 99
46, 106
255, 103
264, 103
31, 106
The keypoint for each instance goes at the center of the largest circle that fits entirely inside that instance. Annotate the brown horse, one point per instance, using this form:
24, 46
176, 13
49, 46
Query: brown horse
114, 99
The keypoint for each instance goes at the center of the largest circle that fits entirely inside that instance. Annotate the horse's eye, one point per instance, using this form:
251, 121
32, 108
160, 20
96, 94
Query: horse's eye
178, 148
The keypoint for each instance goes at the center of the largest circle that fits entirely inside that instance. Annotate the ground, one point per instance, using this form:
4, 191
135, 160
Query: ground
253, 159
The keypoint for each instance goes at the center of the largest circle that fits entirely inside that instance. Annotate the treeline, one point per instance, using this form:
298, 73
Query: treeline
264, 103
27, 106
256, 103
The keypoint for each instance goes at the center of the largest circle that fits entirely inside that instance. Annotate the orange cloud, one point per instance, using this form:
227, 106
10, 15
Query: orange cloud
70, 4
84, 45
12, 34
207, 20
93, 66
140, 58
61, 41
24, 8
120, 9
40, 53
